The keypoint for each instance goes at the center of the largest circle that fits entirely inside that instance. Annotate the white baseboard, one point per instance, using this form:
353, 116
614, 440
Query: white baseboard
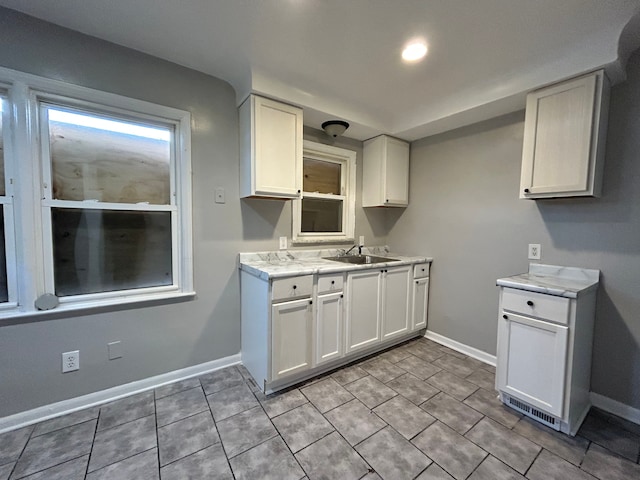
64, 407
461, 347
617, 408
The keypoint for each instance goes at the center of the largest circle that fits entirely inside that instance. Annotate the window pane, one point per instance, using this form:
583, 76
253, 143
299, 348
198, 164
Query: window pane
95, 158
4, 292
3, 105
106, 250
322, 177
321, 215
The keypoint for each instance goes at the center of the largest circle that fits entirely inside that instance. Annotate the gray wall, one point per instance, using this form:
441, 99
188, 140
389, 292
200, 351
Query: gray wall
465, 212
155, 339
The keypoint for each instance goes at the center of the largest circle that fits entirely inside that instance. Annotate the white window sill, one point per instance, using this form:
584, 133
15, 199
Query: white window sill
17, 316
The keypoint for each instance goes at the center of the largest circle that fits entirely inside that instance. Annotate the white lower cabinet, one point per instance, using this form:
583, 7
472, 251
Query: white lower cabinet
329, 327
290, 337
420, 302
395, 301
295, 327
543, 366
532, 361
363, 309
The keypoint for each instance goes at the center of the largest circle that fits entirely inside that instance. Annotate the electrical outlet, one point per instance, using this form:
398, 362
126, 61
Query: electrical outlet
283, 243
220, 195
70, 361
361, 241
115, 349
535, 251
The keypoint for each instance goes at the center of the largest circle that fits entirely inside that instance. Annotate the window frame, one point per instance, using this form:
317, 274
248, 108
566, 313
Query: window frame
347, 158
7, 202
26, 94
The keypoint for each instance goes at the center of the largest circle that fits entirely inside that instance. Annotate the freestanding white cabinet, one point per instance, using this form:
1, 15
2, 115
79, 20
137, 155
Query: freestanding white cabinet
564, 138
545, 331
270, 149
385, 172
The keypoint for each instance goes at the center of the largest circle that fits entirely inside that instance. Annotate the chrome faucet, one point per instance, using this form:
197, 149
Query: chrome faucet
349, 251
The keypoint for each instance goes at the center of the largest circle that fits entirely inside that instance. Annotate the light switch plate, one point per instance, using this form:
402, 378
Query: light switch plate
361, 241
283, 243
535, 251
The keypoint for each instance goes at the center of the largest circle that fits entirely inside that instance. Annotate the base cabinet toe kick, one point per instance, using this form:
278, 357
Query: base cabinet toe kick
297, 327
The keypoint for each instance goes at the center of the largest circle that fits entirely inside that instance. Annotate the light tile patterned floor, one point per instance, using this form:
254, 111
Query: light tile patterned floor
417, 411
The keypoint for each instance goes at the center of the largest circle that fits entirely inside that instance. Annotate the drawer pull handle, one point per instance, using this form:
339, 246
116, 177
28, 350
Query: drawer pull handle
530, 303
506, 317
333, 282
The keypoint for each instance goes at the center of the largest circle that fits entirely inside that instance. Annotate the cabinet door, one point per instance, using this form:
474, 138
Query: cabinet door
395, 301
396, 184
329, 327
290, 337
532, 357
420, 303
557, 147
271, 148
363, 309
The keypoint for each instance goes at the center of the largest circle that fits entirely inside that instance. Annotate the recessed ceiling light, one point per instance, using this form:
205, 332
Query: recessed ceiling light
414, 51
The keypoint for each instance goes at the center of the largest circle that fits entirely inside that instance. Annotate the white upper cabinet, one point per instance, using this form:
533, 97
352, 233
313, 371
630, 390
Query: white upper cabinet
385, 172
564, 138
270, 149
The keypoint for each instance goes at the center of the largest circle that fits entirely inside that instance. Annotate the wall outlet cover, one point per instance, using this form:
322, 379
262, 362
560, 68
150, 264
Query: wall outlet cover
115, 350
535, 251
70, 361
283, 243
361, 241
220, 195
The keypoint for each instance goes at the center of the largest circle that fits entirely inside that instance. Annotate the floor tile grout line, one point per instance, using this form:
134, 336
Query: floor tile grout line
155, 411
24, 447
534, 461
93, 441
119, 460
278, 435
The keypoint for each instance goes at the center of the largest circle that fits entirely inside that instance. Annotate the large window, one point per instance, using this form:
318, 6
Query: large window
103, 193
326, 209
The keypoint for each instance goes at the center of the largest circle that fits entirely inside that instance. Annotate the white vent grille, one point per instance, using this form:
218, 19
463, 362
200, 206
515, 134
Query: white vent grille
533, 412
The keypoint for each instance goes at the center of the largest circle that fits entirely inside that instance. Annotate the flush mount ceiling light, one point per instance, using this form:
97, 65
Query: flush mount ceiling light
414, 51
335, 128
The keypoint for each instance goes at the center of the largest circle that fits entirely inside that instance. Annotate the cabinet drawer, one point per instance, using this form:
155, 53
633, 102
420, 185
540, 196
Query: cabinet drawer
330, 283
421, 270
291, 287
548, 307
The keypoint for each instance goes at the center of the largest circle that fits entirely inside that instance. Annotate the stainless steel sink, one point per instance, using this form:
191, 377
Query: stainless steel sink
360, 259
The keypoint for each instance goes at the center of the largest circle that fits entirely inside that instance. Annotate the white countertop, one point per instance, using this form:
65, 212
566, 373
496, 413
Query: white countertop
567, 282
288, 263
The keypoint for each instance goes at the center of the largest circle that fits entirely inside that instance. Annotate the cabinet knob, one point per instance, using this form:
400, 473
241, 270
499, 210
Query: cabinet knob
505, 317
310, 302
387, 200
341, 296
333, 282
530, 303
417, 282
298, 192
526, 190
294, 287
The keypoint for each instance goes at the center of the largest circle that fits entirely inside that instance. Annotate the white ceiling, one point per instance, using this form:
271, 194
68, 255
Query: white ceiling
340, 59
